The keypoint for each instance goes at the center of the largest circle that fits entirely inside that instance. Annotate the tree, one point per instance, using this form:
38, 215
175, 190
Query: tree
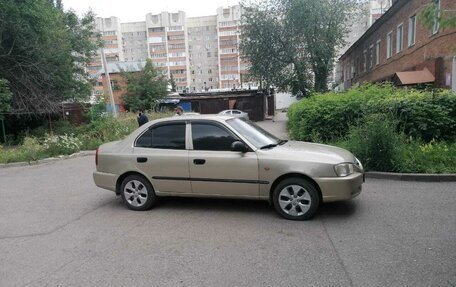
268, 44
43, 52
145, 88
291, 44
432, 15
172, 82
5, 97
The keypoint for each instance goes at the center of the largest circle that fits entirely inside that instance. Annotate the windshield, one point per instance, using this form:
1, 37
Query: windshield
253, 133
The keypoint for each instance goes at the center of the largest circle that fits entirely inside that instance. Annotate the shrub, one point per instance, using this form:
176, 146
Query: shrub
31, 149
376, 143
62, 144
422, 114
433, 157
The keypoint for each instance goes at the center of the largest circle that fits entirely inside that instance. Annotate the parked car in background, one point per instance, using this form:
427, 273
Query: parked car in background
225, 157
235, 113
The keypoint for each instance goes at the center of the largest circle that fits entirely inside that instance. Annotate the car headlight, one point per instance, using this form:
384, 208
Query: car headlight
358, 164
344, 169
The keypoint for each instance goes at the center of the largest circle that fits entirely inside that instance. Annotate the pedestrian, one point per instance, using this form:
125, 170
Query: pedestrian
179, 111
142, 118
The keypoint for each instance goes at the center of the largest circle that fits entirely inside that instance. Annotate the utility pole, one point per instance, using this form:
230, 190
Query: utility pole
108, 78
3, 131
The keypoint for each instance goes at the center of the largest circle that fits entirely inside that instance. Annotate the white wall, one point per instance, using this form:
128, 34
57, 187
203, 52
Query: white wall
284, 100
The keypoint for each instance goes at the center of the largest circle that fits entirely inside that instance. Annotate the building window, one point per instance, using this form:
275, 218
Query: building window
436, 26
352, 71
365, 61
371, 56
412, 31
389, 45
399, 38
377, 53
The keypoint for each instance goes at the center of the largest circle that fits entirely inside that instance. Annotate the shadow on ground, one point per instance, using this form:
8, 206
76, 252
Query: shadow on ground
344, 209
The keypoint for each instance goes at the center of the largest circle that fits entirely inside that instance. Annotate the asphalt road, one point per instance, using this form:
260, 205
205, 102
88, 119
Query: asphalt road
58, 229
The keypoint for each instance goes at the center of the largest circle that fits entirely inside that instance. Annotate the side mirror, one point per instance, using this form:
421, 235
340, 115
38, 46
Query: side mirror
239, 146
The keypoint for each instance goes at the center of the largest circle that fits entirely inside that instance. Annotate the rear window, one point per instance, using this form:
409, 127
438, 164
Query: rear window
171, 136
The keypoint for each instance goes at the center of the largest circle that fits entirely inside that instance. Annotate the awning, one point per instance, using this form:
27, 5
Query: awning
414, 77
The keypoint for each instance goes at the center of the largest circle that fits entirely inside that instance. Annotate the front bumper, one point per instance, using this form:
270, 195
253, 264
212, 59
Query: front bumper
341, 188
105, 180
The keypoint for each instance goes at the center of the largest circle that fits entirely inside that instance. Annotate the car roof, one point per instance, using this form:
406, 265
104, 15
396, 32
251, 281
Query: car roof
215, 117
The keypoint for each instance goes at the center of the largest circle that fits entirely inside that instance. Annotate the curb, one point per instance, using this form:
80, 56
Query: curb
47, 160
444, 177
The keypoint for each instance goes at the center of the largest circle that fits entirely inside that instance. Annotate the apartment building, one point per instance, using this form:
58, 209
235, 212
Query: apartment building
112, 38
199, 53
168, 46
398, 48
377, 8
134, 41
203, 53
228, 20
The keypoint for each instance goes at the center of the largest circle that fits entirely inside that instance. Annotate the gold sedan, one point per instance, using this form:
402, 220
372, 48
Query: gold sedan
225, 157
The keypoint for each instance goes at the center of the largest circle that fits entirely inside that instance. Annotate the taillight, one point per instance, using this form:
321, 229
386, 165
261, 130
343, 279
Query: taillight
96, 156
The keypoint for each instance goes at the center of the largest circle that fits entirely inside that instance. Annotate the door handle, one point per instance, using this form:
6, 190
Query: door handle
141, 159
199, 161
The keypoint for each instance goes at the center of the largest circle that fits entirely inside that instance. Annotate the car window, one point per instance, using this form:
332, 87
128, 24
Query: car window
236, 112
145, 140
211, 137
253, 133
171, 136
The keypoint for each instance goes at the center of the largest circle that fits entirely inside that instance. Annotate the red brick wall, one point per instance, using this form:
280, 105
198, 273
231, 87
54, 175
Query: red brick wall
432, 51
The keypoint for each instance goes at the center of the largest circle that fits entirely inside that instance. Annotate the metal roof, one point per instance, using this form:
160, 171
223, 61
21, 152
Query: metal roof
415, 77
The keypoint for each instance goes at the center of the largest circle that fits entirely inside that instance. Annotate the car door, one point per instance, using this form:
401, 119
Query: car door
161, 153
214, 168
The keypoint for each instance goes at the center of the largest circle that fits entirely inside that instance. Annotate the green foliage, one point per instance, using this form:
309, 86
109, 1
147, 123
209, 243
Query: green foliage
5, 97
422, 115
62, 144
173, 84
289, 43
68, 139
376, 143
433, 157
43, 51
31, 149
145, 88
431, 14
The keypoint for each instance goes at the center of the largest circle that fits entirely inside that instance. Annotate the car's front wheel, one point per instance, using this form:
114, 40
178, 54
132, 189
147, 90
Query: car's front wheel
137, 193
296, 199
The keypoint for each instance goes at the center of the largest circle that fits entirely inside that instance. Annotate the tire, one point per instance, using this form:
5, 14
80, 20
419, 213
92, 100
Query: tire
296, 199
137, 193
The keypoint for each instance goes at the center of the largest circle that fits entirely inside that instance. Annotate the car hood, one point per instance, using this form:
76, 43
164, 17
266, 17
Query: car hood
312, 152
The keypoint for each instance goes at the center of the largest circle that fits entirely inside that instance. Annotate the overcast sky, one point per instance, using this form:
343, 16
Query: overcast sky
135, 10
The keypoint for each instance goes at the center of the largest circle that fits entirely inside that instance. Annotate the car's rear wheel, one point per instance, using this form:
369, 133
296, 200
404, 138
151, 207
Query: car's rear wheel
137, 193
296, 199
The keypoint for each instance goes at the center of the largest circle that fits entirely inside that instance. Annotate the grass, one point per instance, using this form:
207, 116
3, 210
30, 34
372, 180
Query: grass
67, 139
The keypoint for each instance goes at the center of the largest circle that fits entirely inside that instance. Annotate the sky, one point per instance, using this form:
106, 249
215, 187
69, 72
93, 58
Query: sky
135, 10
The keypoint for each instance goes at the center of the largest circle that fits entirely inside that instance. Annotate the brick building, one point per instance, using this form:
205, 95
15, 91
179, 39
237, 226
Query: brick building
398, 48
118, 82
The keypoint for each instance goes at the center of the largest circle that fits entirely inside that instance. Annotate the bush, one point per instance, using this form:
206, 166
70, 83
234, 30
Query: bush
433, 157
376, 143
73, 139
62, 144
422, 114
31, 149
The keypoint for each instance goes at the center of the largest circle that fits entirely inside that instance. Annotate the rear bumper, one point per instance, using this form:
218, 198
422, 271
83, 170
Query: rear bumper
105, 180
341, 188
